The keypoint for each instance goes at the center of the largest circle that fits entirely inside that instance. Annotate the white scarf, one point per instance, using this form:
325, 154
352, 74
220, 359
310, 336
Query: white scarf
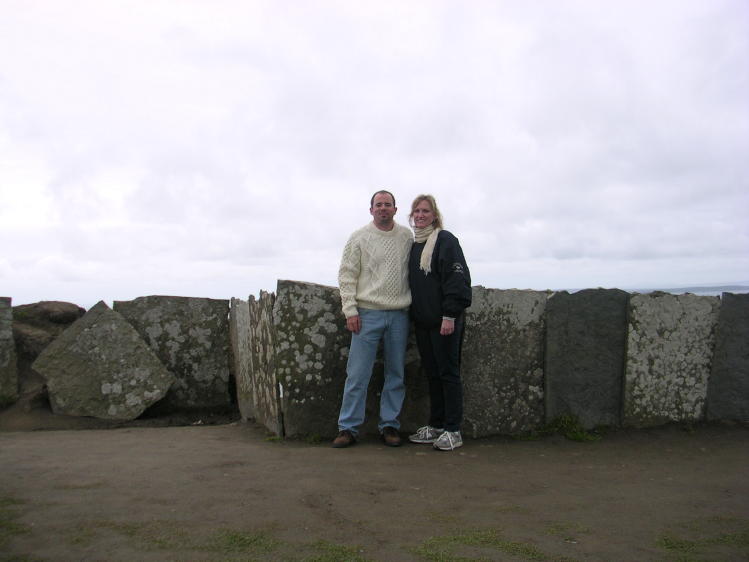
429, 234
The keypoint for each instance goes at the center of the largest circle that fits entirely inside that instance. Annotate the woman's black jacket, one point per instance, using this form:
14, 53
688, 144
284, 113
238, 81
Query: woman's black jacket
446, 290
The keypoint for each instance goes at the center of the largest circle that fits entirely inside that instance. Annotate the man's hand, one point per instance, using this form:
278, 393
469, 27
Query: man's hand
353, 324
448, 327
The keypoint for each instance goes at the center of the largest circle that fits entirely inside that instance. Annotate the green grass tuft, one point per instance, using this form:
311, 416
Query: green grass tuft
569, 426
442, 548
229, 541
9, 526
699, 537
330, 552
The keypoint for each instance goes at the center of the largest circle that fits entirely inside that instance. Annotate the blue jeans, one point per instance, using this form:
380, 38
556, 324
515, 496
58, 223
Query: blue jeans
390, 326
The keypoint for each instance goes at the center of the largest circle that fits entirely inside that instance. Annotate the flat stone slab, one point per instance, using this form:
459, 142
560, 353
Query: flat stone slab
502, 362
264, 393
312, 346
586, 333
8, 364
241, 356
101, 367
191, 337
728, 389
670, 344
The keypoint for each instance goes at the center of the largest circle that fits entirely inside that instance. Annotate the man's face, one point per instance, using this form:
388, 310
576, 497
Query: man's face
383, 211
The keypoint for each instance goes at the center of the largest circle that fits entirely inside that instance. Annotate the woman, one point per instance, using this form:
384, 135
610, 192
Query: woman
440, 292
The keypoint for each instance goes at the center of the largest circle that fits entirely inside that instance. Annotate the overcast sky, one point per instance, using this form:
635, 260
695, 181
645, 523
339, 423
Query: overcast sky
209, 148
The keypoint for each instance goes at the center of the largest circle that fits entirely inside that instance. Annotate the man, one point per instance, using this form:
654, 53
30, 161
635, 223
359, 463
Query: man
373, 280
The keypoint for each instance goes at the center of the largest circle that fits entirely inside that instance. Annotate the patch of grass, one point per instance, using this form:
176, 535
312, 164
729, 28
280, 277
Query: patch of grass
152, 534
567, 425
330, 552
443, 518
274, 439
230, 541
313, 439
442, 548
9, 527
567, 531
700, 538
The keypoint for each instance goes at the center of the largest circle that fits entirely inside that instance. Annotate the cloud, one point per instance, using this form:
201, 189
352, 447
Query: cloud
213, 148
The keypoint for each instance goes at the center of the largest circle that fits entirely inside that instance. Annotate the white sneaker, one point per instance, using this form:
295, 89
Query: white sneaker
426, 434
448, 441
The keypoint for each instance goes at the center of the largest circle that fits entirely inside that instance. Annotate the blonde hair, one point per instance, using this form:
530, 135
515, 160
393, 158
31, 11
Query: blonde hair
429, 199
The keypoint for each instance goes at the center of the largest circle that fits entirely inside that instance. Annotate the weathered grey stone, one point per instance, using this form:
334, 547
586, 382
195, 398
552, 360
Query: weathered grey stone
239, 331
728, 389
670, 343
264, 391
312, 347
191, 337
8, 365
35, 326
502, 362
101, 367
585, 337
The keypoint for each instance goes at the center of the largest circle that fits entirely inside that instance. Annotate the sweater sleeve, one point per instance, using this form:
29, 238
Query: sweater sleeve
455, 277
348, 275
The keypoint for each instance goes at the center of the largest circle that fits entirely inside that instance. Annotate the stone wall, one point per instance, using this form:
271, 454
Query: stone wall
603, 356
8, 366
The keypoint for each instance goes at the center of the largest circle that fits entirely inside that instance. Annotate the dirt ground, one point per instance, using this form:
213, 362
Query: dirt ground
229, 492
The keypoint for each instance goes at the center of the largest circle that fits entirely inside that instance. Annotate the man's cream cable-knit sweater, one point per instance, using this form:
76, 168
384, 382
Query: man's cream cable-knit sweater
374, 270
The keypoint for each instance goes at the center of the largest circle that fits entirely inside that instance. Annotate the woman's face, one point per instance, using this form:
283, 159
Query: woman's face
422, 214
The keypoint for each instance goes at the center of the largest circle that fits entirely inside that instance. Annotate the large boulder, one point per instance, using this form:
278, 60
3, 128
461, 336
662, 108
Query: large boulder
670, 342
585, 336
502, 362
728, 390
8, 365
191, 337
101, 367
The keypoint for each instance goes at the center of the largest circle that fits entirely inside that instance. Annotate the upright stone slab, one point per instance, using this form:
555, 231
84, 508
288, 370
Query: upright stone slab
670, 345
728, 389
311, 351
239, 331
502, 362
191, 337
101, 367
585, 337
263, 389
8, 366
312, 348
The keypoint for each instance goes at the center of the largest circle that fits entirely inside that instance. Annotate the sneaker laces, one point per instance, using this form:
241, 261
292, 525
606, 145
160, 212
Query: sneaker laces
449, 439
423, 432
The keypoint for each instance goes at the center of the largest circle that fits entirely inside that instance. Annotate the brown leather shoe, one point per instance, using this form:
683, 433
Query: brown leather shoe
390, 437
345, 439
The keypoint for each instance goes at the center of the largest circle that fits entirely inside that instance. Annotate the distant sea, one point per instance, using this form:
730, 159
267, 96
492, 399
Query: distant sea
703, 290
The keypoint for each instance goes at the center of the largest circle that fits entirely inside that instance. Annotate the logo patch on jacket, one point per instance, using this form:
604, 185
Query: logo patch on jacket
457, 268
